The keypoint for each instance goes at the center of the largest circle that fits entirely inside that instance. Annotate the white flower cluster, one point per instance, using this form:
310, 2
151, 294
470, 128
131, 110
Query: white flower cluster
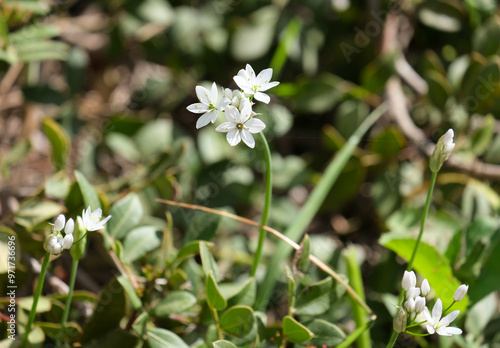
55, 243
415, 304
236, 105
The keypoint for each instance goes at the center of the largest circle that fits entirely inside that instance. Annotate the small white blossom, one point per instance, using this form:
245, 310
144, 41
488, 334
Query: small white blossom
425, 288
410, 305
209, 105
460, 293
240, 125
442, 151
255, 85
412, 293
91, 220
409, 280
70, 227
67, 241
440, 325
59, 224
419, 304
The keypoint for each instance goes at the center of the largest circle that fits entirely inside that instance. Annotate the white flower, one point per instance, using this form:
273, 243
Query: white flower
209, 105
409, 280
53, 243
460, 293
255, 85
59, 224
442, 151
410, 305
419, 304
91, 220
412, 293
240, 125
440, 325
425, 288
70, 227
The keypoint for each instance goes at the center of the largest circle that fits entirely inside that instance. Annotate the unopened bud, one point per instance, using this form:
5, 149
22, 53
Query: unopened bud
460, 293
59, 224
409, 280
442, 151
399, 323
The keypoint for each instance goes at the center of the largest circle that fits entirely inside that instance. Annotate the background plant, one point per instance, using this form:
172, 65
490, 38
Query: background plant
86, 87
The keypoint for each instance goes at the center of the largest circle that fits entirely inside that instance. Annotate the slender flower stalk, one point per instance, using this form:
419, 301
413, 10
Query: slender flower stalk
67, 307
267, 204
38, 292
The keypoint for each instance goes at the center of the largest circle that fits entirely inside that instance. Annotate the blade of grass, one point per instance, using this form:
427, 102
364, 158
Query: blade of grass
311, 207
279, 58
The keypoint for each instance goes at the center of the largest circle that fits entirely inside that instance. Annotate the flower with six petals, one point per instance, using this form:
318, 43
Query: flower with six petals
209, 105
436, 324
92, 220
253, 85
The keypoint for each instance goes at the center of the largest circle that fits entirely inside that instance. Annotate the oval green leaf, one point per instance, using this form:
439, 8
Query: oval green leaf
175, 302
214, 297
126, 214
161, 338
237, 320
296, 332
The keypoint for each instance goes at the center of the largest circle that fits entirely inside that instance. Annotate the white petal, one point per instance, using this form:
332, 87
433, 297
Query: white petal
247, 138
221, 105
262, 97
67, 241
437, 310
232, 114
428, 316
241, 82
205, 119
430, 329
448, 137
106, 219
269, 85
448, 331
198, 108
97, 213
254, 125
246, 110
250, 72
233, 137
264, 77
449, 318
57, 249
215, 94
225, 127
203, 95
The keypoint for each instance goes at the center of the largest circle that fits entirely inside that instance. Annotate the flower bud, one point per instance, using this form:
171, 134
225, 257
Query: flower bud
425, 288
67, 241
410, 305
442, 151
419, 304
460, 293
59, 224
409, 280
57, 249
399, 322
412, 293
70, 227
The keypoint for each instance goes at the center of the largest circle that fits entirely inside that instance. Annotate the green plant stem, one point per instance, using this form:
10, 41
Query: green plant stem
356, 281
220, 335
422, 223
38, 291
74, 268
308, 211
394, 338
267, 205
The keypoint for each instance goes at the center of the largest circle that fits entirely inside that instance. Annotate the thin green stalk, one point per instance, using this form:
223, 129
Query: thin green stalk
267, 205
74, 268
308, 211
291, 33
38, 291
215, 315
394, 338
356, 281
422, 223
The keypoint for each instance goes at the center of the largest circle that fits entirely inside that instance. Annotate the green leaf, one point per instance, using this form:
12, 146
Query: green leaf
140, 241
481, 138
76, 71
90, 197
441, 15
116, 338
57, 186
214, 297
161, 338
223, 344
108, 312
349, 116
35, 211
315, 298
127, 212
488, 279
129, 289
36, 51
208, 262
124, 146
77, 250
159, 130
174, 302
44, 304
388, 143
430, 264
486, 38
71, 330
439, 89
192, 249
34, 32
325, 333
59, 141
237, 320
203, 226
480, 315
246, 295
294, 331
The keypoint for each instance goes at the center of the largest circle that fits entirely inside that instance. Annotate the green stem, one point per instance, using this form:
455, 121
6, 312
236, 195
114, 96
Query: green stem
422, 223
215, 315
38, 291
65, 316
308, 211
393, 339
267, 204
447, 309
